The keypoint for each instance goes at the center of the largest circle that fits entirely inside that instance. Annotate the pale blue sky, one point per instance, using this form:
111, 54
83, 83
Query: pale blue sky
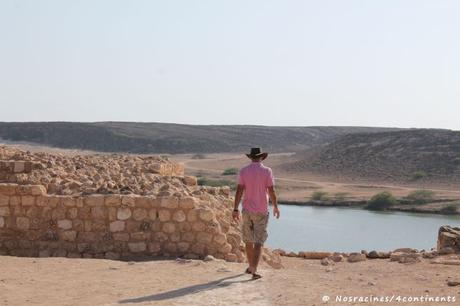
344, 62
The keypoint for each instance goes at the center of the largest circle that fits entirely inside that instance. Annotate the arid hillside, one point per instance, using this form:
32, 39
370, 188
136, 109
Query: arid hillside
410, 155
136, 137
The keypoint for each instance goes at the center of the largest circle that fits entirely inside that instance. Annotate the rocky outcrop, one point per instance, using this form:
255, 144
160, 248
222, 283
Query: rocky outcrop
448, 240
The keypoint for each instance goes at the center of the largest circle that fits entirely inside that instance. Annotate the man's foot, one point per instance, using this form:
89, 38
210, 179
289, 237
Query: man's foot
248, 271
256, 276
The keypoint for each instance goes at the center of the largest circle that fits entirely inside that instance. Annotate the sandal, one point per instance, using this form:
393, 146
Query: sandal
247, 271
256, 276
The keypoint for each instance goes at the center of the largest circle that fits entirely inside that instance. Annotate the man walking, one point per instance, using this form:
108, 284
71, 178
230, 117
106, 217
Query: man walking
257, 183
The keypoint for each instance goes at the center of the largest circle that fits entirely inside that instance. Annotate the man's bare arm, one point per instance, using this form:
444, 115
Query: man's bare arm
274, 200
238, 196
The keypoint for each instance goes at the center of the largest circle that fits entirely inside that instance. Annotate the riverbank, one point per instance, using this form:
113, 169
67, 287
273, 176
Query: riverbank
434, 207
71, 281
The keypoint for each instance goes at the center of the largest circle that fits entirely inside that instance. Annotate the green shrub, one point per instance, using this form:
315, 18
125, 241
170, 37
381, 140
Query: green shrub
381, 201
230, 171
421, 196
340, 196
319, 196
199, 156
417, 175
449, 209
216, 183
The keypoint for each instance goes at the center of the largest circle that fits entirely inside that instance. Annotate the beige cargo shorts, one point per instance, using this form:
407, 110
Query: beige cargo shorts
255, 227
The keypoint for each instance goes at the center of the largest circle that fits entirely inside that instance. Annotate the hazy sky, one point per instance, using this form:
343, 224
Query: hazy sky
344, 62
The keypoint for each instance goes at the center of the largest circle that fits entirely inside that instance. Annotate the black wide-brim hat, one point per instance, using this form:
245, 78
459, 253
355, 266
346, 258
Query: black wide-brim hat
257, 152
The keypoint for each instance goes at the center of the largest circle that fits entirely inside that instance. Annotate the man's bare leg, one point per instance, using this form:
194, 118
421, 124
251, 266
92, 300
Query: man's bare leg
256, 256
250, 255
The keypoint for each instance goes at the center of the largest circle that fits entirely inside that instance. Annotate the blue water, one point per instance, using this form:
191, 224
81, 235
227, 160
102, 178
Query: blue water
307, 228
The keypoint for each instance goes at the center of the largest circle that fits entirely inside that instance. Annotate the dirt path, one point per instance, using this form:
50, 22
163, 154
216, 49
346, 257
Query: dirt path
69, 281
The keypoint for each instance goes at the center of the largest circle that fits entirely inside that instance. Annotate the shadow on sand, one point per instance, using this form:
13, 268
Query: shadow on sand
186, 290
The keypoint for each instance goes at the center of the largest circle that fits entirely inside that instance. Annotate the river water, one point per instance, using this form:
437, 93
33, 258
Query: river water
308, 228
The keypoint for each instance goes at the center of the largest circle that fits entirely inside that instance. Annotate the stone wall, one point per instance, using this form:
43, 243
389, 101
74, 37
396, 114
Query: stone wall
33, 223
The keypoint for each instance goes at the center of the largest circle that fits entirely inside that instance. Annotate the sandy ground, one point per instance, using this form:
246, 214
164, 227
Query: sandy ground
68, 281
298, 186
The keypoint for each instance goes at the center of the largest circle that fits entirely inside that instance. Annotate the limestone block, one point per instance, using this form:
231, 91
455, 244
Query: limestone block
198, 226
4, 211
58, 213
121, 236
164, 215
220, 238
22, 223
205, 215
192, 215
231, 257
189, 236
27, 200
169, 202
169, 227
187, 202
37, 190
68, 201
112, 213
128, 200
72, 213
64, 224
143, 202
78, 225
190, 180
226, 248
8, 189
140, 236
179, 216
160, 237
94, 200
98, 212
16, 200
68, 235
4, 200
153, 214
183, 247
112, 200
139, 214
136, 247
154, 247
123, 213
174, 237
44, 253
204, 237
171, 247
117, 226
19, 167
112, 255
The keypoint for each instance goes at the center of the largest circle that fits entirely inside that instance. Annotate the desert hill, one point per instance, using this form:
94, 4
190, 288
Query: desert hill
136, 137
408, 155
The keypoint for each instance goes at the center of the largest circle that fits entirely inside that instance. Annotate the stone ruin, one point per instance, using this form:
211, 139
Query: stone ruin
112, 206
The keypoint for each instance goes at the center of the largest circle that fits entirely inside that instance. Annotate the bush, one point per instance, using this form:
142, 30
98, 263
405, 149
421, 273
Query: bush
417, 175
199, 156
340, 196
216, 183
319, 196
230, 171
449, 209
381, 201
421, 196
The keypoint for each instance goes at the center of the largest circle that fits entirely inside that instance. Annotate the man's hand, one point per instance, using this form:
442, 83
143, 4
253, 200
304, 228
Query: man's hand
236, 215
276, 212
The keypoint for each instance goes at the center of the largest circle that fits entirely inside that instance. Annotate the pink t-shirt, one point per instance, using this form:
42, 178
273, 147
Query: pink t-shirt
256, 178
